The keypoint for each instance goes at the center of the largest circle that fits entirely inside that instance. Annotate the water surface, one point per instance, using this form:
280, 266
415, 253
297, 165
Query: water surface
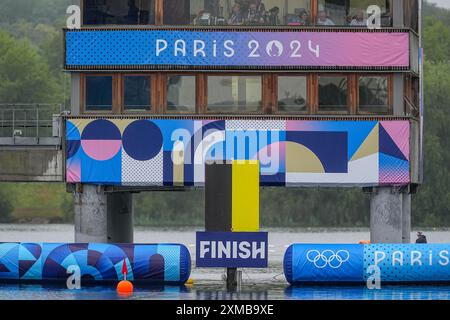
258, 284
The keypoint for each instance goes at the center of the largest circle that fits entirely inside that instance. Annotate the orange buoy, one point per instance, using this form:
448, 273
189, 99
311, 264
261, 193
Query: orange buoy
125, 287
364, 242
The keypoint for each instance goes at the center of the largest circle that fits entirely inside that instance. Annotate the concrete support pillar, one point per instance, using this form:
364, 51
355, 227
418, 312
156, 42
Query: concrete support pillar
103, 217
386, 211
120, 217
90, 215
406, 218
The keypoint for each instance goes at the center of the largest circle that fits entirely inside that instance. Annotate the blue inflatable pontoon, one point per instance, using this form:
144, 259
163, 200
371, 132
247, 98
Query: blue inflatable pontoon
353, 263
45, 262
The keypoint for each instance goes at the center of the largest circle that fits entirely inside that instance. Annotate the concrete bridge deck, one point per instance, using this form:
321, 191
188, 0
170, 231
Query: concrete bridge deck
31, 143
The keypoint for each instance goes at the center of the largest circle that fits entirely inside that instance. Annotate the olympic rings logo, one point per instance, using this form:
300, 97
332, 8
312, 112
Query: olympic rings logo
327, 258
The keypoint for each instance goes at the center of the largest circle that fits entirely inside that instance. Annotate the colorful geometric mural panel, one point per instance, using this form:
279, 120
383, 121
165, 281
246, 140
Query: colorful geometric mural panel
330, 148
166, 152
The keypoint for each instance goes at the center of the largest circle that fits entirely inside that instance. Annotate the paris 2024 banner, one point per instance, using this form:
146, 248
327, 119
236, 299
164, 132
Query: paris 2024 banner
170, 152
152, 49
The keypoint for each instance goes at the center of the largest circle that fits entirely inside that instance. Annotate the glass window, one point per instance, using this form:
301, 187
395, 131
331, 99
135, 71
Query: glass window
412, 90
237, 12
333, 93
234, 93
351, 12
292, 93
373, 94
181, 94
137, 93
99, 93
128, 12
297, 13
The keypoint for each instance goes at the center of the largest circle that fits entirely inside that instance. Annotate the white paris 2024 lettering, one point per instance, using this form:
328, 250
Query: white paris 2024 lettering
198, 48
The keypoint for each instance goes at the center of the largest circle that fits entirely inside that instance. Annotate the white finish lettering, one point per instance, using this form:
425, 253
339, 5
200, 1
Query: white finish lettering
258, 250
244, 247
224, 248
204, 248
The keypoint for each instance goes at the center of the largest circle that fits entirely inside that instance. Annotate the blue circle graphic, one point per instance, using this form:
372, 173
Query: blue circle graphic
142, 140
101, 129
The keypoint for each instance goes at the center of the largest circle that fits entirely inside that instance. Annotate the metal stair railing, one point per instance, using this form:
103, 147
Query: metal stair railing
30, 124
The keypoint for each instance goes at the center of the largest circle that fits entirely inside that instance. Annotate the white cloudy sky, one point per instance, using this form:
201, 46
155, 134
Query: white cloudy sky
441, 3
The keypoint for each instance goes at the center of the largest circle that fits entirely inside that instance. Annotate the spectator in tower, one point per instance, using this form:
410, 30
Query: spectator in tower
245, 4
304, 18
203, 18
133, 12
349, 19
117, 12
421, 238
272, 17
260, 8
359, 20
254, 16
236, 17
323, 20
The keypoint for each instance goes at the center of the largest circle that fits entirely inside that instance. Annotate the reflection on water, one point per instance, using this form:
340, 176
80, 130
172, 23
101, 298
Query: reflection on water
258, 284
388, 292
216, 291
55, 292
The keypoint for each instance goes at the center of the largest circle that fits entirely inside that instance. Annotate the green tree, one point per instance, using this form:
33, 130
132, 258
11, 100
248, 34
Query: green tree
431, 206
24, 74
436, 37
41, 11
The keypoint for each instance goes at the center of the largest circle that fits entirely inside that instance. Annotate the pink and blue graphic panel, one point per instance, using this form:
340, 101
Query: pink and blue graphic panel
166, 152
118, 49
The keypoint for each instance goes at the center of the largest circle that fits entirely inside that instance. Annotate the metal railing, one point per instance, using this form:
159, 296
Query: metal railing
29, 122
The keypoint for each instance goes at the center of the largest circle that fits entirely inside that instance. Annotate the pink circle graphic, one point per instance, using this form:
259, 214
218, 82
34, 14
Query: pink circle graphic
101, 150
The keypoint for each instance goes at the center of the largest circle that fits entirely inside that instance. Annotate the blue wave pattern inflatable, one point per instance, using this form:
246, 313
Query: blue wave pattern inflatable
306, 263
150, 263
